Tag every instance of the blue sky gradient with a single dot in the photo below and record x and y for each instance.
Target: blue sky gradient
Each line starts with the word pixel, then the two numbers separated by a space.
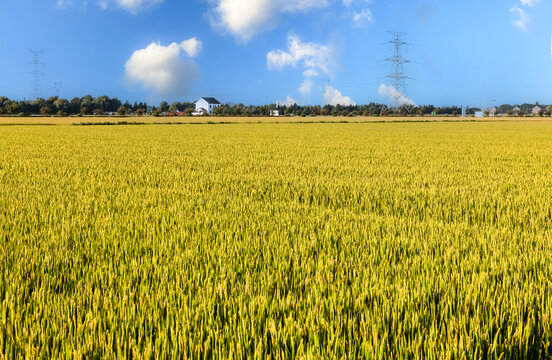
pixel 477 53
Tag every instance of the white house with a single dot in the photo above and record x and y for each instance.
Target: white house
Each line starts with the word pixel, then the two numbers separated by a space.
pixel 536 110
pixel 206 105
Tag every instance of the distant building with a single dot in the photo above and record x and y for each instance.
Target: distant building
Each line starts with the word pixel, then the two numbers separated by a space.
pixel 479 114
pixel 493 111
pixel 516 109
pixel 206 105
pixel 536 110
pixel 275 113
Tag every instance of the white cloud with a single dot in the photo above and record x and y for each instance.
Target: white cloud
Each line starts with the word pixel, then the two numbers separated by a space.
pixel 289 102
pixel 360 18
pixel 315 58
pixel 334 97
pixel 529 2
pixel 523 20
pixel 393 94
pixel 192 47
pixel 246 18
pixel 308 82
pixel 135 6
pixel 163 69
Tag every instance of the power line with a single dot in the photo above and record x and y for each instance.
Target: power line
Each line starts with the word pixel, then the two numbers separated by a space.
pixel 36 88
pixel 397 75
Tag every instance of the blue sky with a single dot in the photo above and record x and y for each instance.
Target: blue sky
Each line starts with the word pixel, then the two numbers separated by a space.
pixel 472 52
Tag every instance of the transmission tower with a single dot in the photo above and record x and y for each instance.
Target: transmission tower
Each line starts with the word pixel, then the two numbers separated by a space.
pixel 397 74
pixel 57 88
pixel 36 89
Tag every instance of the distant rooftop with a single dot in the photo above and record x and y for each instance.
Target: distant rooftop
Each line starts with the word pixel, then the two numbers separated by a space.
pixel 211 101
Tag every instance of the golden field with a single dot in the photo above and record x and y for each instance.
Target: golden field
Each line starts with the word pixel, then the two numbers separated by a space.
pixel 75 120
pixel 325 240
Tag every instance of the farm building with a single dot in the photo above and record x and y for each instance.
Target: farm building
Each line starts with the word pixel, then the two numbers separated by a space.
pixel 536 110
pixel 206 105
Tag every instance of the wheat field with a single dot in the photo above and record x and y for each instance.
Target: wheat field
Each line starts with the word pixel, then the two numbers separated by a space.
pixel 333 240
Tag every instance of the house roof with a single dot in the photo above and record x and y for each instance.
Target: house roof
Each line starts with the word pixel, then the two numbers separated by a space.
pixel 211 101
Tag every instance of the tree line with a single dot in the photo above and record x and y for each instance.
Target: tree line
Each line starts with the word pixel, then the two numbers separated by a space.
pixel 88 105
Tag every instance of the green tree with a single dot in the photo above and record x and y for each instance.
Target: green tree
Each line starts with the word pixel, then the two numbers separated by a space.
pixel 61 104
pixel 164 106
pixel 45 110
pixel 122 111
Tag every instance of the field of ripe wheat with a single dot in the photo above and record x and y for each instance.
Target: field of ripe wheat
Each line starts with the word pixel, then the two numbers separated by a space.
pixel 373 241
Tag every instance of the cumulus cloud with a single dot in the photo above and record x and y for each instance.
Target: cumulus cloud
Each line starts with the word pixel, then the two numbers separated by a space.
pixel 289 102
pixel 246 18
pixel 362 17
pixel 314 58
pixel 334 97
pixel 192 47
pixel 310 55
pixel 393 94
pixel 523 20
pixel 308 82
pixel 163 69
pixel 529 2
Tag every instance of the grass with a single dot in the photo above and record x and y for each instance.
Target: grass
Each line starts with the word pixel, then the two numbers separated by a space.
pixel 375 241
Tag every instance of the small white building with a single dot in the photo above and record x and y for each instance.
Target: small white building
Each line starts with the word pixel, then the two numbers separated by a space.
pixel 275 113
pixel 206 105
pixel 479 114
pixel 536 110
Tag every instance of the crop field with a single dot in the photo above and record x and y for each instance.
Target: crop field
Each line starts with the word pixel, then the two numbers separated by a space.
pixel 323 240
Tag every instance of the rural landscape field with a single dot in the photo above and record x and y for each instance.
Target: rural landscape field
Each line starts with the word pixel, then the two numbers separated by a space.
pixel 425 240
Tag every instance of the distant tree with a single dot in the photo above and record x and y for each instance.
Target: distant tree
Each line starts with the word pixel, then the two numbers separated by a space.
pixel 175 107
pixel 13 107
pixel 164 106
pixel 61 104
pixel 548 110
pixel 454 113
pixel 1 110
pixel 510 112
pixel 486 113
pixel 139 112
pixel 61 113
pixel 45 110
pixel 122 110
pixel 83 110
pixel 520 113
pixel 98 111
pixel 421 112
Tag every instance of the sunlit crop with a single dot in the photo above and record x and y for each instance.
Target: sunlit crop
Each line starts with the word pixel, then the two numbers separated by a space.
pixel 375 241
